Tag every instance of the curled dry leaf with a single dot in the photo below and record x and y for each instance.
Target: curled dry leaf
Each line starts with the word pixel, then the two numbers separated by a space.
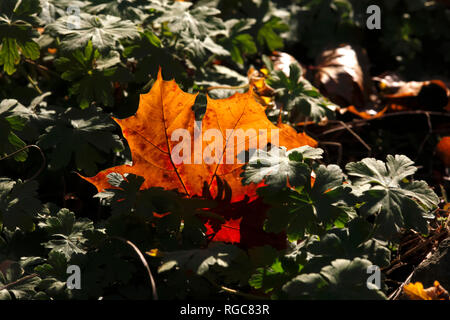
pixel 415 291
pixel 412 95
pixel 367 114
pixel 342 76
pixel 263 93
pixel 282 61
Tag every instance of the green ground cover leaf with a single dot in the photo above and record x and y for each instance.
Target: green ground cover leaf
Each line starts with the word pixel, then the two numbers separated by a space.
pixel 395 201
pixel 342 279
pixel 92 74
pixel 197 22
pixel 67 232
pixel 298 96
pixel 133 10
pixel 311 209
pixel 11 123
pixel 268 34
pixel 278 166
pixel 345 243
pixel 18 204
pixel 82 135
pixel 14 283
pixel 200 261
pixel 17 19
pixel 238 42
pixel 104 31
pixel 54 276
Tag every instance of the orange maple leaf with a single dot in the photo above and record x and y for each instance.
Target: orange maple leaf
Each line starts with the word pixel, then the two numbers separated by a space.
pixel 167 108
pixel 164 130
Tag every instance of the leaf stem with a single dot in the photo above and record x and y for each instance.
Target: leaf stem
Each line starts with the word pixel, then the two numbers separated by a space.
pixel 41 67
pixel 348 128
pixel 6 286
pixel 397 292
pixel 235 292
pixel 34 84
pixel 244 86
pixel 144 262
pixel 22 149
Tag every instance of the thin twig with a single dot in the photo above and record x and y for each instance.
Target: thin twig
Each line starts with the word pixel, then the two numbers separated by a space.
pixel 244 86
pixel 412 112
pixel 417 247
pixel 338 145
pixel 339 128
pixel 362 122
pixel 34 84
pixel 242 294
pixel 44 68
pixel 22 149
pixel 144 262
pixel 397 292
pixel 6 286
pixel 280 115
pixel 236 292
pixel 345 126
pixel 430 131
